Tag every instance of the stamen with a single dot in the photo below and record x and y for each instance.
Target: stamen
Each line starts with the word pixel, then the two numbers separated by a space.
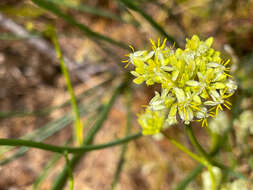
pixel 164 43
pixel 228 102
pixel 224 92
pixel 132 48
pixel 228 75
pixel 194 107
pixel 227 62
pixel 174 44
pixel 127 65
pixel 217 110
pixel 204 123
pixel 227 106
pixel 185 114
pixel 153 43
pixel 227 96
pixel 211 109
pixel 219 107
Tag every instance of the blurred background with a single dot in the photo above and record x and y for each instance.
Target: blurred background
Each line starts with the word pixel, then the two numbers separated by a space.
pixel 94 36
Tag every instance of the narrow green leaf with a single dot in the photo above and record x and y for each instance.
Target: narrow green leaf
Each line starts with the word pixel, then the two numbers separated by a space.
pixel 71 178
pixel 51 163
pixel 61 149
pixel 12 37
pixel 44 132
pixel 61 179
pixel 87 9
pixel 131 5
pixel 78 125
pixel 194 173
pixel 85 29
pixel 124 146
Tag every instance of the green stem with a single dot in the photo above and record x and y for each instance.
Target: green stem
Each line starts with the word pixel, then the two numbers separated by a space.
pixel 193 174
pixel 78 134
pixel 195 143
pixel 71 178
pixel 194 156
pixel 217 147
pixel 202 152
pixel 186 150
pixel 61 149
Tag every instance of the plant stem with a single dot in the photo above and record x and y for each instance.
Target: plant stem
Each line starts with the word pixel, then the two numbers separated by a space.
pixel 194 156
pixel 78 132
pixel 61 149
pixel 216 148
pixel 202 152
pixel 195 143
pixel 186 150
pixel 71 178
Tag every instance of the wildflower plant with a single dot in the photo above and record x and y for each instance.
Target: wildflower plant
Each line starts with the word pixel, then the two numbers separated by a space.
pixel 195 83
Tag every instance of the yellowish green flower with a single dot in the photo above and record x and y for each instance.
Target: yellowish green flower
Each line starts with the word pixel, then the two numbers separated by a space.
pixel 195 83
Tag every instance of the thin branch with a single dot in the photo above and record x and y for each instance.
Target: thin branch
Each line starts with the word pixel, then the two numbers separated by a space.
pixel 61 149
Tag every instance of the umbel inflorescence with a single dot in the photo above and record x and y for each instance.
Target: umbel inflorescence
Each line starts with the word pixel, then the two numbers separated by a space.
pixel 195 83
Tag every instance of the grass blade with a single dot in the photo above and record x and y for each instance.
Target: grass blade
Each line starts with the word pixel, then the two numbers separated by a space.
pixel 87 9
pixel 70 174
pixel 61 179
pixel 130 4
pixel 56 125
pixel 12 37
pixel 45 132
pixel 194 173
pixel 85 29
pixel 78 129
pixel 51 163
pixel 124 146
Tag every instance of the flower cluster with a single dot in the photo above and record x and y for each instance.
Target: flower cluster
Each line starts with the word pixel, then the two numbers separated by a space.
pixel 195 83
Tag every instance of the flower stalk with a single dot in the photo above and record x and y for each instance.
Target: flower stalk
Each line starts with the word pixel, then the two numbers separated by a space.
pixel 202 152
pixel 202 160
pixel 186 150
